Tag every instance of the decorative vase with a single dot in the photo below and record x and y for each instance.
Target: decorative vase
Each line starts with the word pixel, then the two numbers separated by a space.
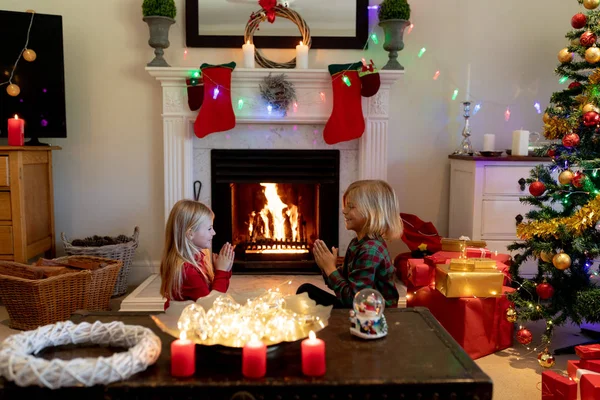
pixel 393 30
pixel 159 38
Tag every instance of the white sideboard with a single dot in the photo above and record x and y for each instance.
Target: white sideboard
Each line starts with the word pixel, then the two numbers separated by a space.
pixel 484 199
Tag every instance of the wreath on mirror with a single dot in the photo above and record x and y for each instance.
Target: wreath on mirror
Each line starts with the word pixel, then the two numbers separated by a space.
pixel 270 10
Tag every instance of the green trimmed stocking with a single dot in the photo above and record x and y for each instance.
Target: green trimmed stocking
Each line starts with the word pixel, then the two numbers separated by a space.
pixel 216 113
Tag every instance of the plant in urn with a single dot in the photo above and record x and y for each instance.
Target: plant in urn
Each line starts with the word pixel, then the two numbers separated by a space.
pixel 394 18
pixel 159 15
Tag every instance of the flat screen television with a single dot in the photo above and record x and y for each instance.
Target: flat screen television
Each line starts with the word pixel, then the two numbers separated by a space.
pixel 41 102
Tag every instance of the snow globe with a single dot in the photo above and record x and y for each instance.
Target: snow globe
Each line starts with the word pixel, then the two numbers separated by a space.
pixel 366 318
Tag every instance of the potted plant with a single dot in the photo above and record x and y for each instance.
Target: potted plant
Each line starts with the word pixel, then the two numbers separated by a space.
pixel 159 15
pixel 394 17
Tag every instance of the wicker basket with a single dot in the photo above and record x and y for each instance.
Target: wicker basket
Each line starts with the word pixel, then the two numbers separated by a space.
pixel 102 284
pixel 34 302
pixel 123 252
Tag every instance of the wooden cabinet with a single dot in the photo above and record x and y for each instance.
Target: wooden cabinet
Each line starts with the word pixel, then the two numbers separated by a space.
pixel 26 202
pixel 484 200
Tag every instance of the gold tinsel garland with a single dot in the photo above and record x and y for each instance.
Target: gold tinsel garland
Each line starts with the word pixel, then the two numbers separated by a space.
pixel 583 219
pixel 556 128
pixel 594 78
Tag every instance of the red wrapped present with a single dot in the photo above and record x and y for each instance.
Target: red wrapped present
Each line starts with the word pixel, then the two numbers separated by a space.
pixel 478 252
pixel 589 387
pixel 503 258
pixel 419 273
pixel 592 365
pixel 588 352
pixel 401 265
pixel 478 325
pixel 557 387
pixel 572 367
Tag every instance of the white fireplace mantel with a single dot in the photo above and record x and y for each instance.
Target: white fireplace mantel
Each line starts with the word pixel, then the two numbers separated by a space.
pixel 313 86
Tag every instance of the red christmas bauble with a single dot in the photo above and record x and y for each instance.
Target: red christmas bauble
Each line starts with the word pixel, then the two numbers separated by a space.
pixel 571 140
pixel 537 188
pixel 524 336
pixel 578 180
pixel 587 39
pixel 544 290
pixel 551 152
pixel 578 21
pixel 591 118
pixel 574 85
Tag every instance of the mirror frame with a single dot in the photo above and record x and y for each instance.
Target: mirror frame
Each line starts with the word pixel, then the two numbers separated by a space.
pixel 193 39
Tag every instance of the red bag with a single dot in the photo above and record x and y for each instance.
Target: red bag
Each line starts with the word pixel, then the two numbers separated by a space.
pixel 417 233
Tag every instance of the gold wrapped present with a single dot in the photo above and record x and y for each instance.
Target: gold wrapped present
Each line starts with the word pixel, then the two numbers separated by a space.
pixel 455 244
pixel 480 283
pixel 472 264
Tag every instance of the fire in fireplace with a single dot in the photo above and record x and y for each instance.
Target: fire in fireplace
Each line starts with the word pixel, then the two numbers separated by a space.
pixel 273 205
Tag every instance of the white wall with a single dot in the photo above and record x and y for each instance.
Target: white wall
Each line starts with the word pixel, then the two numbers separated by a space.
pixel 108 177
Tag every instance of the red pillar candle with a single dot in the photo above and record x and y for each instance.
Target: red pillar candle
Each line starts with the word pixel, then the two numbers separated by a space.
pixel 313 356
pixel 16 130
pixel 254 359
pixel 183 357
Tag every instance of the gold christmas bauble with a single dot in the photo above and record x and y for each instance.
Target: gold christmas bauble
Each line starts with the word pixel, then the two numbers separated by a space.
pixel 566 177
pixel 546 118
pixel 561 261
pixel 29 55
pixel 545 359
pixel 592 55
pixel 546 256
pixel 565 56
pixel 511 314
pixel 575 42
pixel 591 4
pixel 590 107
pixel 13 90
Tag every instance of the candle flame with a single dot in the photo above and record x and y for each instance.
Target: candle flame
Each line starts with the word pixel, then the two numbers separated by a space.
pixel 312 335
pixel 16 116
pixel 182 335
pixel 301 43
pixel 247 42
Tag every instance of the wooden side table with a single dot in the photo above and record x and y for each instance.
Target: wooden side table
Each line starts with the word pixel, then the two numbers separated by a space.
pixel 26 202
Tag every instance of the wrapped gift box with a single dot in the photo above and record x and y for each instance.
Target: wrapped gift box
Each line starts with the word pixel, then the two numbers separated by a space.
pixel 401 265
pixel 454 244
pixel 472 264
pixel 572 367
pixel 419 273
pixel 592 365
pixel 468 284
pixel 478 252
pixel 478 325
pixel 444 257
pixel 557 387
pixel 588 352
pixel 589 387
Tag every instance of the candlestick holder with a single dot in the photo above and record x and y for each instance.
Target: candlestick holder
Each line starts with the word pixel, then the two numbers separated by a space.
pixel 465 148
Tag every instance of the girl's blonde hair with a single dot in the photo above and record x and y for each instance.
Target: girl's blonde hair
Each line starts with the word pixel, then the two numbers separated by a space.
pixel 185 217
pixel 377 202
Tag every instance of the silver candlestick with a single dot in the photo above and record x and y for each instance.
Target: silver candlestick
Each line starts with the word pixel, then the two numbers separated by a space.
pixel 465 147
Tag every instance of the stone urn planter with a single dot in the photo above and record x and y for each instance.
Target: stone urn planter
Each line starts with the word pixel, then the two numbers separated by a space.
pixel 159 38
pixel 393 30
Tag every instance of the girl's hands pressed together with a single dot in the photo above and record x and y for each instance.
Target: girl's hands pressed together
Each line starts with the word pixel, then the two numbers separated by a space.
pixel 224 261
pixel 324 258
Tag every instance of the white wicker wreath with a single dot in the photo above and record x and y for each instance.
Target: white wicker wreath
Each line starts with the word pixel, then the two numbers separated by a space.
pixel 17 363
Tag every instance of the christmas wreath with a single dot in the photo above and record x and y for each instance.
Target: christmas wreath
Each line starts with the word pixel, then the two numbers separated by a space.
pixel 278 92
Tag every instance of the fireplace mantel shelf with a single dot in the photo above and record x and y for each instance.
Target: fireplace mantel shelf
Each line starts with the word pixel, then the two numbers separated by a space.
pixel 315 102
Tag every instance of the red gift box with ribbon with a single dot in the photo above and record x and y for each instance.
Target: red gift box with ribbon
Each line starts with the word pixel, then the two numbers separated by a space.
pixel 588 352
pixel 592 365
pixel 589 387
pixel 419 273
pixel 572 367
pixel 478 325
pixel 478 252
pixel 557 387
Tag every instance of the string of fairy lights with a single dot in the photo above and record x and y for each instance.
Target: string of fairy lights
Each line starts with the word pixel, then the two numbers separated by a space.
pixel 28 54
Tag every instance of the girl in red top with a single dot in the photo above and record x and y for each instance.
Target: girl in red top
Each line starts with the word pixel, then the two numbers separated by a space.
pixel 184 270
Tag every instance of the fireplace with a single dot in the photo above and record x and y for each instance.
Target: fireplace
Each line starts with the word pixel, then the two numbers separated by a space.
pixel 273 205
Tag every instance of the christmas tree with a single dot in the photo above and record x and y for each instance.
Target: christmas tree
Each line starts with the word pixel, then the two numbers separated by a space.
pixel 562 231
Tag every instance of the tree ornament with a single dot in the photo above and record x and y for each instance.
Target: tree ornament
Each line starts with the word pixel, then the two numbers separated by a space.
pixel 29 55
pixel 565 177
pixel 592 55
pixel 551 152
pixel 590 107
pixel 545 359
pixel 587 39
pixel 578 20
pixel 546 118
pixel 578 180
pixel 524 336
pixel 561 261
pixel 591 118
pixel 597 227
pixel 546 256
pixel 544 290
pixel 574 85
pixel 511 314
pixel 591 4
pixel 537 188
pixel 572 139
pixel 13 90
pixel 565 56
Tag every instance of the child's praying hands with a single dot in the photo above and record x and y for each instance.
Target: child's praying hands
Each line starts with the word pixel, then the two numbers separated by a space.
pixel 325 259
pixel 224 260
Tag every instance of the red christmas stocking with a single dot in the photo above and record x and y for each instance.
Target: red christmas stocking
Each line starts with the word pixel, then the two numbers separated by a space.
pixel 369 78
pixel 216 113
pixel 346 121
pixel 195 93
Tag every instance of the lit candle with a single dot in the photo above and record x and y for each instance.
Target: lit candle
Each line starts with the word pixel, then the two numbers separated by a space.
pixel 313 356
pixel 254 358
pixel 183 357
pixel 468 91
pixel 302 56
pixel 248 49
pixel 16 130
pixel 489 142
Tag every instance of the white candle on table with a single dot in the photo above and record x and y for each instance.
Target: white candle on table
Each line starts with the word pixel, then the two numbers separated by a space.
pixel 302 56
pixel 468 91
pixel 489 142
pixel 520 142
pixel 248 49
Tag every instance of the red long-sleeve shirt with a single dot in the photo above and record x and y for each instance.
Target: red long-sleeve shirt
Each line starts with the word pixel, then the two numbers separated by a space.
pixel 194 284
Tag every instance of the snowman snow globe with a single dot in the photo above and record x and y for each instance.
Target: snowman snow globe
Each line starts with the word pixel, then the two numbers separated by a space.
pixel 366 318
